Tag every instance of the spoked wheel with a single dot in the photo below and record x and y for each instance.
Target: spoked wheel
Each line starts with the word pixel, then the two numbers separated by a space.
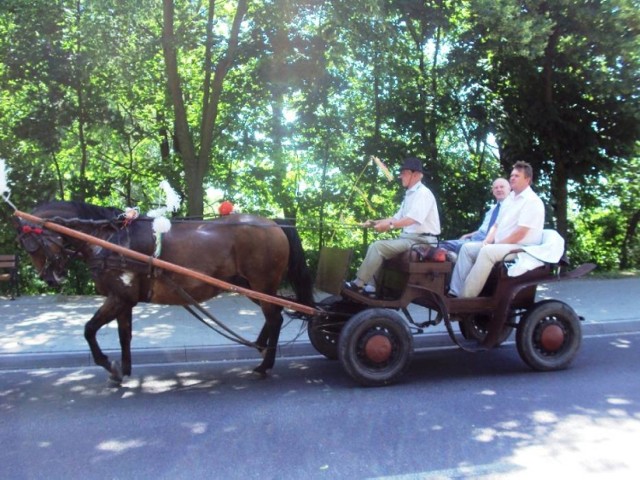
pixel 549 336
pixel 474 327
pixel 375 347
pixel 324 335
pixel 324 331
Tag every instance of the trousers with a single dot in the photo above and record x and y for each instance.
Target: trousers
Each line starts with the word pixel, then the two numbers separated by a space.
pixel 380 250
pixel 474 265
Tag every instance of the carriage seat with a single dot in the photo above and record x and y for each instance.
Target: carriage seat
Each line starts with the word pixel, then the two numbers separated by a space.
pixel 425 266
pixel 421 258
pixel 527 262
pixel 529 257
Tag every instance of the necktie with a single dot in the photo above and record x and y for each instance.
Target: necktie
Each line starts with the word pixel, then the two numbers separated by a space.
pixel 494 216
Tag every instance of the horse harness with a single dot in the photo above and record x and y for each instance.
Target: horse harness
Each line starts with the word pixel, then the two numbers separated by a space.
pixel 59 253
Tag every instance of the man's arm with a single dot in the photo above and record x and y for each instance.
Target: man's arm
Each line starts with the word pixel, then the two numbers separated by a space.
pixel 387 223
pixel 468 235
pixel 514 238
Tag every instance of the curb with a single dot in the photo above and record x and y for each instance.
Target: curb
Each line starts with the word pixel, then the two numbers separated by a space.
pixel 221 353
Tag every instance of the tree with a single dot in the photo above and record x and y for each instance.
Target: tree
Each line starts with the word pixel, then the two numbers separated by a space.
pixel 566 75
pixel 195 150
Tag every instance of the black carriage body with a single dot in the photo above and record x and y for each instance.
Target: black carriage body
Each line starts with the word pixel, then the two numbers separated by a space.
pixel 506 303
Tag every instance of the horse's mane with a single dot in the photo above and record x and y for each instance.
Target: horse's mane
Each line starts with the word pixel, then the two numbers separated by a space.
pixel 79 210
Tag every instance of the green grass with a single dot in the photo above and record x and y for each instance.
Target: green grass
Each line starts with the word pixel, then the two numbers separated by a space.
pixel 613 274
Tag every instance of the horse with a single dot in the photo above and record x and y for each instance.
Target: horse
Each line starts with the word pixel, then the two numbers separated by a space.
pixel 246 250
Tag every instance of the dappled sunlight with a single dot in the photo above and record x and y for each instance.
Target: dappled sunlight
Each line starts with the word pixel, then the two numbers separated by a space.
pixel 583 444
pixel 297 365
pixel 621 343
pixel 21 342
pixel 501 430
pixel 73 378
pixel 120 446
pixel 38 330
pixel 489 393
pixel 155 332
pixel 198 428
pixel 580 442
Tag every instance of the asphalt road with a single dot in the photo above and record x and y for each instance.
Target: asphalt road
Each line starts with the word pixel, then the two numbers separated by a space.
pixel 454 415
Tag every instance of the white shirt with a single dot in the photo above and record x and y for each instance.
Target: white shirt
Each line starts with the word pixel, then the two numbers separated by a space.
pixel 483 230
pixel 419 204
pixel 522 210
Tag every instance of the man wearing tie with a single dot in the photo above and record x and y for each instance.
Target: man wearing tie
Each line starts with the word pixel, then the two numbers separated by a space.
pixel 520 222
pixel 500 190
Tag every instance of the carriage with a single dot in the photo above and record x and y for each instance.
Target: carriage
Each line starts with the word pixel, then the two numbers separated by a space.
pixel 371 336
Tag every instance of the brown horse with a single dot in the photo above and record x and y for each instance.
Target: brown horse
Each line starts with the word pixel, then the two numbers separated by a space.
pixel 246 250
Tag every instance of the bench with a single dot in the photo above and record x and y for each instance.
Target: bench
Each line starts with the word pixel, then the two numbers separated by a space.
pixel 9 273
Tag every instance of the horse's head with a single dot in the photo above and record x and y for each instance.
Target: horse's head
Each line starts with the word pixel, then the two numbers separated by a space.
pixel 48 252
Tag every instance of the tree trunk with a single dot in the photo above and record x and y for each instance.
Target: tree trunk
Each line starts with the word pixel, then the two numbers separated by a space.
pixel 196 163
pixel 561 194
pixel 187 150
pixel 560 175
pixel 627 243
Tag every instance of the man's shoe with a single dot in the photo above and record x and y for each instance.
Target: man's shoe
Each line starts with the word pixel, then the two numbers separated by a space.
pixel 369 289
pixel 353 286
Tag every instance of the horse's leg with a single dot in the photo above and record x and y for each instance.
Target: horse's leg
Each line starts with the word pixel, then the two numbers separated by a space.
pixel 271 329
pixel 261 341
pixel 125 334
pixel 109 310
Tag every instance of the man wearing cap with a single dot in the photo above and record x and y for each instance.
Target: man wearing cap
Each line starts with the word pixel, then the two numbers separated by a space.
pixel 417 218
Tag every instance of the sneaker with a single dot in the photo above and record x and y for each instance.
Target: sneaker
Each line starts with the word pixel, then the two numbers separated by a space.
pixel 369 289
pixel 353 285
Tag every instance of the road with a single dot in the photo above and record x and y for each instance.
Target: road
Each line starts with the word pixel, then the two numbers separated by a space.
pixel 454 415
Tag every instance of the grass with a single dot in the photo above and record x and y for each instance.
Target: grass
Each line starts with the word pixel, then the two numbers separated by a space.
pixel 615 274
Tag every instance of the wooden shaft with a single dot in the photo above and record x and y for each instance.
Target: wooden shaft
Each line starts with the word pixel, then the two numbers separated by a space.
pixel 156 262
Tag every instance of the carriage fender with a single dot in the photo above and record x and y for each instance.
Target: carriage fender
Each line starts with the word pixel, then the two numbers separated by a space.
pixel 499 316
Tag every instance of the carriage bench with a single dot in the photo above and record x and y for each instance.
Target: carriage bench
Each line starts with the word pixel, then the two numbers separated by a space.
pixel 9 273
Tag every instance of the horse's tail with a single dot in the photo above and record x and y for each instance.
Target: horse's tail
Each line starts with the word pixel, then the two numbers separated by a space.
pixel 298 273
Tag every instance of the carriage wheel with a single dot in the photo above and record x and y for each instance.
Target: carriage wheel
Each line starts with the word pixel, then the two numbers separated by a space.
pixel 474 327
pixel 375 347
pixel 324 336
pixel 549 336
pixel 324 332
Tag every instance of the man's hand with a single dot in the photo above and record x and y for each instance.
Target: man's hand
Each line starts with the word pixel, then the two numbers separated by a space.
pixel 382 226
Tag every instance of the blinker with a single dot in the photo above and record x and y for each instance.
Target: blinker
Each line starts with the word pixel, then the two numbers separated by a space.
pixel 30 229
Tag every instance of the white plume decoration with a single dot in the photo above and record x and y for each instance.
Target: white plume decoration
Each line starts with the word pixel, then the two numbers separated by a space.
pixel 162 224
pixel 173 199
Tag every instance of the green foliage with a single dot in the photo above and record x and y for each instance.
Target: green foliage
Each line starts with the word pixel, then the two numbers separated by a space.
pixel 309 93
pixel 597 238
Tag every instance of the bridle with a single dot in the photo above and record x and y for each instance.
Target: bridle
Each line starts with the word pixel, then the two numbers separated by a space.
pixel 57 252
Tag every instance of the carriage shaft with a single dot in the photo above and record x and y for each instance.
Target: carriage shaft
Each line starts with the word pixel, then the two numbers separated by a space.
pixel 172 267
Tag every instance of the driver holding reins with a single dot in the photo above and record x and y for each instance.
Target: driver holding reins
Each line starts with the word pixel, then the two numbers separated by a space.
pixel 417 218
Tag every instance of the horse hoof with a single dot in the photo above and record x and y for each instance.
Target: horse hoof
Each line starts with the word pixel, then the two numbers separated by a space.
pixel 116 372
pixel 260 372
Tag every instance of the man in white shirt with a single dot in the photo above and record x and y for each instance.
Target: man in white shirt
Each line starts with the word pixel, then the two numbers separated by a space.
pixel 520 222
pixel 417 217
pixel 500 189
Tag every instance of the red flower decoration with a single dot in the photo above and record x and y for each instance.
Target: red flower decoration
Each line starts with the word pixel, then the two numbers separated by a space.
pixel 225 208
